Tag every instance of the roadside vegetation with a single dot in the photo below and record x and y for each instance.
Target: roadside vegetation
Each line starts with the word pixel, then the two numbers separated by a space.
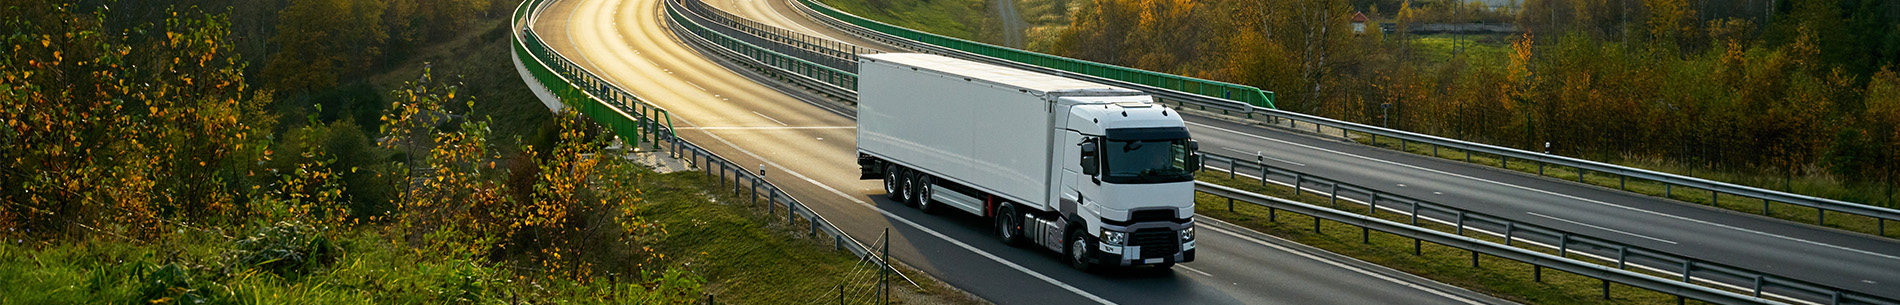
pixel 168 153
pixel 966 19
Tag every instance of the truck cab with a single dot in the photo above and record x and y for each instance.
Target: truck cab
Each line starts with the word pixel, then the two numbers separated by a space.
pixel 1127 181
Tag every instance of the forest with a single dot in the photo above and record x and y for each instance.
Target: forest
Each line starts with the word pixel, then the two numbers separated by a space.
pixel 1800 95
pixel 230 152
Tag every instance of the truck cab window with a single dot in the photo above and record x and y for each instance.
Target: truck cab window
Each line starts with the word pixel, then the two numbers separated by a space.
pixel 1146 161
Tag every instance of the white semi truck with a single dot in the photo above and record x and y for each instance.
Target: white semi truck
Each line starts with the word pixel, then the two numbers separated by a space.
pixel 1101 174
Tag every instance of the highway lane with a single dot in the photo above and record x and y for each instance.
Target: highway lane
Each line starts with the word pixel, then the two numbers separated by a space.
pixel 808 151
pixel 1837 258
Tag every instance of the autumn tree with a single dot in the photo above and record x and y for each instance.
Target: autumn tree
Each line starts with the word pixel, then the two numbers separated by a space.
pixel 321 41
pixel 118 133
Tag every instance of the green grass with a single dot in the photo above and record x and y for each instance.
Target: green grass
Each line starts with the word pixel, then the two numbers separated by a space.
pixel 1790 212
pixel 1477 48
pixel 749 257
pixel 1047 20
pixel 1503 278
pixel 966 19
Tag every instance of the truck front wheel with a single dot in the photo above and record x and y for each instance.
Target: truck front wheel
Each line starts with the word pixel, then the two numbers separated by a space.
pixel 1078 251
pixel 894 182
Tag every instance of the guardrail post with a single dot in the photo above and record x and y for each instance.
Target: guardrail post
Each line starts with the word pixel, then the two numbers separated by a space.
pixel 1764 207
pixel 1434 150
pixel 1315 223
pixel 1606 288
pixel 1668 191
pixel 1715 197
pixel 1540 168
pixel 1758 283
pixel 1563 245
pixel 1414 212
pixel 1580 173
pixel 1504 162
pixel 1820 216
pixel 1508 227
pixel 1273 214
pixel 1474 258
pixel 1687 266
pixel 1296 183
pixel 1231 163
pixel 1332 193
pixel 1622 182
pixel 1461 223
pixel 790 212
pixel 1537 273
pixel 1622 256
pixel 1372 206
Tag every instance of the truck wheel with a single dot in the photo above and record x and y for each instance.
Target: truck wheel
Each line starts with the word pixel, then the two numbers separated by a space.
pixel 922 184
pixel 1078 251
pixel 894 183
pixel 1009 225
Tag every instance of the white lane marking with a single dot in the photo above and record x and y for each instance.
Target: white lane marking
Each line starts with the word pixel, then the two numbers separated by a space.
pixel 1338 264
pixel 1196 270
pixel 1598 227
pixel 762 115
pixel 1559 194
pixel 690 83
pixel 1256 153
pixel 992 257
pixel 768 128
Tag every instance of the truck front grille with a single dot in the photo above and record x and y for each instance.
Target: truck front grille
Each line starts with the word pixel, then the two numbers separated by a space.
pixel 1155 242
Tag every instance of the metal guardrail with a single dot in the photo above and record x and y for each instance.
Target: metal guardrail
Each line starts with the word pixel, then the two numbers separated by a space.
pixel 830 81
pixel 630 117
pixel 1479 246
pixel 1178 86
pixel 932 43
pixel 831 53
pixel 1620 255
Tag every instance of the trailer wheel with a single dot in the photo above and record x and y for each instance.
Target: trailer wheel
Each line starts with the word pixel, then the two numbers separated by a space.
pixel 894 182
pixel 1009 226
pixel 922 195
pixel 1078 251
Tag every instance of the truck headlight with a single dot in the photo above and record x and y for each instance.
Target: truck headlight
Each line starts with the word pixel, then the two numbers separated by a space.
pixel 1113 238
pixel 1187 234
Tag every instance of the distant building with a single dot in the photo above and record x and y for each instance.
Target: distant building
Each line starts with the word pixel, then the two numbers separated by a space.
pixel 1358 23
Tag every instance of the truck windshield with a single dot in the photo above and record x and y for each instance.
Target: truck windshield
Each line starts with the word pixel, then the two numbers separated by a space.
pixel 1146 161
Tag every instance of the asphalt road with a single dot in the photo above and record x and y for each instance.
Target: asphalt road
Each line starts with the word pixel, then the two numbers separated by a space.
pixel 808 150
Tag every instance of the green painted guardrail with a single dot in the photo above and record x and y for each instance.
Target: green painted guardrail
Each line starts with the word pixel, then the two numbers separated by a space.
pixel 620 112
pixel 1209 88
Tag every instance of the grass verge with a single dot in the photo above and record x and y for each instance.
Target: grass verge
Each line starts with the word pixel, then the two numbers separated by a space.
pixel 965 19
pixel 1499 277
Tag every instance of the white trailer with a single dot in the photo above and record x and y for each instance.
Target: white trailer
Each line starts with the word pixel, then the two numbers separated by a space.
pixel 1101 174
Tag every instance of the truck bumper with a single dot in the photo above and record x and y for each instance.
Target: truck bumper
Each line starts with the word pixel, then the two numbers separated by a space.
pixel 1117 259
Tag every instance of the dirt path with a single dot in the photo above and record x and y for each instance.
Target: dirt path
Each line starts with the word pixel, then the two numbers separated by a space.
pixel 1013 23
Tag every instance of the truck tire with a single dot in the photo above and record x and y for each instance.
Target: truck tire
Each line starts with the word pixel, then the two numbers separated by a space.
pixel 1009 225
pixel 1078 250
pixel 894 182
pixel 922 184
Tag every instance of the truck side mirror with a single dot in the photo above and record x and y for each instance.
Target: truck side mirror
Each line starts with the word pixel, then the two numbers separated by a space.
pixel 1194 156
pixel 1089 165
